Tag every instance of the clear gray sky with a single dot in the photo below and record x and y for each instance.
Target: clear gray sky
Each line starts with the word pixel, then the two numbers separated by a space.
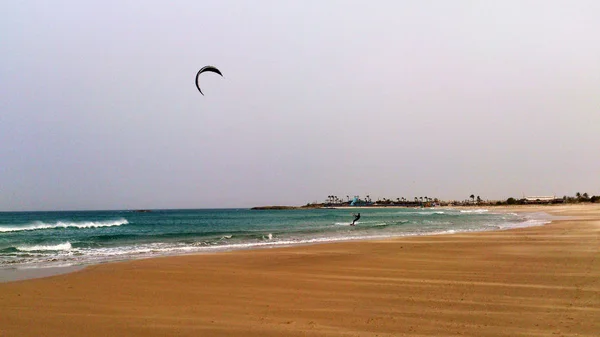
pixel 387 98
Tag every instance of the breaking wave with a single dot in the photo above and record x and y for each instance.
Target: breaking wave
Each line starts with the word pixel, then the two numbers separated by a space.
pixel 476 211
pixel 38 225
pixel 37 248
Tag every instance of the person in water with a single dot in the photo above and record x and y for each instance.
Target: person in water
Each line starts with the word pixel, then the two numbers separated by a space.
pixel 356 217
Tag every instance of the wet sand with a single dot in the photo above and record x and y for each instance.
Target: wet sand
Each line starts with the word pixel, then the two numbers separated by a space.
pixel 538 281
pixel 14 274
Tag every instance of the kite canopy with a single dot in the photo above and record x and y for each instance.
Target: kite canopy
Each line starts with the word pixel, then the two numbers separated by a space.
pixel 205 69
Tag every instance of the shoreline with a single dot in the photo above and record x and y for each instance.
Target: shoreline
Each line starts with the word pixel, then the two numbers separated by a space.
pixel 542 280
pixel 10 274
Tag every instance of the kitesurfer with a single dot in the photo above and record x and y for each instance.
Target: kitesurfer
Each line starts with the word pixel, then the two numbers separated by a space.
pixel 356 217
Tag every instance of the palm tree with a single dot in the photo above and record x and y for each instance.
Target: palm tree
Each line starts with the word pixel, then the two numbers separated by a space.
pixel 478 199
pixel 472 197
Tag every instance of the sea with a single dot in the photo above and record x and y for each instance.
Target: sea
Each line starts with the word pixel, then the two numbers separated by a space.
pixel 30 240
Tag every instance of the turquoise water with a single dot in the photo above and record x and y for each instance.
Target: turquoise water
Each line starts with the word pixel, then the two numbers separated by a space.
pixel 56 239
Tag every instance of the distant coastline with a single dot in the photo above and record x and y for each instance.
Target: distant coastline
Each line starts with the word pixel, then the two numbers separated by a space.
pixel 334 202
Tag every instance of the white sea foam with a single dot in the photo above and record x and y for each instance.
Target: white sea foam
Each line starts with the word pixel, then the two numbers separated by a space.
pixel 449 231
pixel 476 211
pixel 48 266
pixel 38 225
pixel 61 246
pixel 422 212
pixel 527 223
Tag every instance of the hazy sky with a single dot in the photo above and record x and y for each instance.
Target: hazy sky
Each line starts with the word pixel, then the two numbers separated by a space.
pixel 98 107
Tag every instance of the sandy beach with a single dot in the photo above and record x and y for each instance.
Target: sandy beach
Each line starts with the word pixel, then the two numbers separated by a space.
pixel 537 281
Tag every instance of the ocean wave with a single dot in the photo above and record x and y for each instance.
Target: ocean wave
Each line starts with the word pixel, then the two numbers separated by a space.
pixel 476 211
pixel 61 246
pixel 38 225
pixel 449 231
pixel 423 213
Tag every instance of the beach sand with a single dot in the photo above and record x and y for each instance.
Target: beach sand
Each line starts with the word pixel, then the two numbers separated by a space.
pixel 539 281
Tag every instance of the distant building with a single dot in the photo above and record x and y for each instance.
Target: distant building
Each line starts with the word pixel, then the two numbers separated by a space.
pixel 546 199
pixel 357 202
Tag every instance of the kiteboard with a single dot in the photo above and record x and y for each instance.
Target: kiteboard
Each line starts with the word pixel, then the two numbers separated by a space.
pixel 345 224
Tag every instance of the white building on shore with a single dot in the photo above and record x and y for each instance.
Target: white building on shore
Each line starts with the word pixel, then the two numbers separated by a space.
pixel 541 199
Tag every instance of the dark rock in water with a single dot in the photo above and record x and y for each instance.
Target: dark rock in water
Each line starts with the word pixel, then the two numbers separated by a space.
pixel 263 208
pixel 142 211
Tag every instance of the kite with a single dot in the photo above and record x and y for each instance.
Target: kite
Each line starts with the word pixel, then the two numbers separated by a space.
pixel 204 69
